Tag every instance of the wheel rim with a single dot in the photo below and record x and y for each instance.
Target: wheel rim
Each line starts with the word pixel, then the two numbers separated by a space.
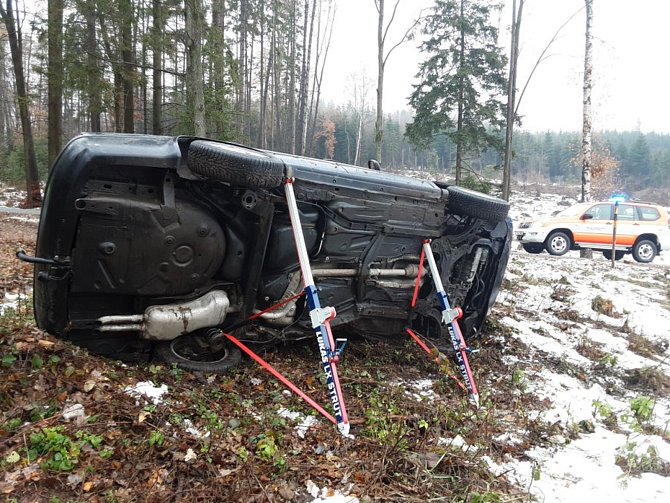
pixel 195 348
pixel 558 244
pixel 645 251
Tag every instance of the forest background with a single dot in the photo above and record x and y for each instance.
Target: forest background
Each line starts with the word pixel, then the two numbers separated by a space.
pixel 251 71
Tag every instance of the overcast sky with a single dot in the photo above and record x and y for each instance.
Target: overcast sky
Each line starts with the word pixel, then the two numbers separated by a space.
pixel 631 70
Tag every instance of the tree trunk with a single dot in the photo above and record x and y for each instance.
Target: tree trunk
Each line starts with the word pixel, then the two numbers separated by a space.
pixel 242 68
pixel 359 136
pixel 264 97
pixel 127 73
pixel 249 86
pixel 144 80
pixel 588 84
pixel 93 70
pixel 260 137
pixel 277 130
pixel 4 122
pixel 586 129
pixel 461 99
pixel 33 194
pixel 194 24
pixel 218 121
pixel 118 102
pixel 55 82
pixel 318 73
pixel 301 133
pixel 291 79
pixel 157 75
pixel 379 126
pixel 511 98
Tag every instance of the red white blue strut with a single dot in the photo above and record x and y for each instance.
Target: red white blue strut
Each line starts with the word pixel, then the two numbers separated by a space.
pixel 450 318
pixel 320 316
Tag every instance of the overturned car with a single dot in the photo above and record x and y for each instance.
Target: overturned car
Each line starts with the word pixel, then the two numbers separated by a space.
pixel 148 246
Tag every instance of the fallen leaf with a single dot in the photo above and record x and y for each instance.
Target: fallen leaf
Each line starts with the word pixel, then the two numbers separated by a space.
pixel 46 344
pixel 7 487
pixel 22 347
pixel 89 385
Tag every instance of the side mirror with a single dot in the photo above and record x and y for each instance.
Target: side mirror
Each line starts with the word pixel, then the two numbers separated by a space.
pixel 374 164
pixel 586 216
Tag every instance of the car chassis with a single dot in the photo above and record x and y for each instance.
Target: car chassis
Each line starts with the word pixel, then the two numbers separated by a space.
pixel 153 247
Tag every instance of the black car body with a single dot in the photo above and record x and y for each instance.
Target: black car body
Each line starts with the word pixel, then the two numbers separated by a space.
pixel 145 241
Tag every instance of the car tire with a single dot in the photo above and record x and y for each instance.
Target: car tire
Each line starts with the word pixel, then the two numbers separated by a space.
pixel 235 164
pixel 534 248
pixel 475 204
pixel 618 254
pixel 644 251
pixel 177 352
pixel 558 243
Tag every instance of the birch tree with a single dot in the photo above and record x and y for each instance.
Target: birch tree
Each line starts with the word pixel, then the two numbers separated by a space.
pixel 588 84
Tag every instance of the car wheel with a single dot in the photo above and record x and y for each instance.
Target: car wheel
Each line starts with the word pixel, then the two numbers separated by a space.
pixel 558 243
pixel 644 251
pixel 618 255
pixel 235 164
pixel 533 248
pixel 475 204
pixel 199 352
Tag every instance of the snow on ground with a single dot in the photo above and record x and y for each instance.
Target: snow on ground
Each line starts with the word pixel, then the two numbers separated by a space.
pixel 548 303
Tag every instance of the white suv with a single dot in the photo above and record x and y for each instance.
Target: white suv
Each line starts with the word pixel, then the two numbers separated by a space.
pixel 641 229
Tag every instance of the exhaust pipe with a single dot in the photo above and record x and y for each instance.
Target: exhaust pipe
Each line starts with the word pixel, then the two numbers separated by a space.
pixel 169 321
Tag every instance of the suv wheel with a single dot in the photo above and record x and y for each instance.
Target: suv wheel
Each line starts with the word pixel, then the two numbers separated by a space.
pixel 644 251
pixel 558 243
pixel 618 254
pixel 533 248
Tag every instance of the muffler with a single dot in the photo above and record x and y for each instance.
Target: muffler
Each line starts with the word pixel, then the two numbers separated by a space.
pixel 169 321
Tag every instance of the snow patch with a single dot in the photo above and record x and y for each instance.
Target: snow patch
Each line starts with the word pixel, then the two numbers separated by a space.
pixel 149 391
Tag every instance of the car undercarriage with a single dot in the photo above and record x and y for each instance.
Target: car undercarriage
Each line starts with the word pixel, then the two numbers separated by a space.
pixel 150 246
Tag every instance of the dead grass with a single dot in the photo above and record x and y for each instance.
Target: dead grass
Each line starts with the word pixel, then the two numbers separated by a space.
pixel 643 346
pixel 562 293
pixel 648 380
pixel 604 306
pixel 591 350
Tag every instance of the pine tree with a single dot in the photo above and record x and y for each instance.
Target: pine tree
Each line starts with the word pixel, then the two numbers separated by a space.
pixel 461 80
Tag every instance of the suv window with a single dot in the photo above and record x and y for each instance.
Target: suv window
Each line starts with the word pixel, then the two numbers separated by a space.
pixel 627 212
pixel 601 212
pixel 648 213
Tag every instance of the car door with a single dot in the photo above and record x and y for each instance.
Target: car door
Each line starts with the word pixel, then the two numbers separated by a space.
pixel 594 228
pixel 627 226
